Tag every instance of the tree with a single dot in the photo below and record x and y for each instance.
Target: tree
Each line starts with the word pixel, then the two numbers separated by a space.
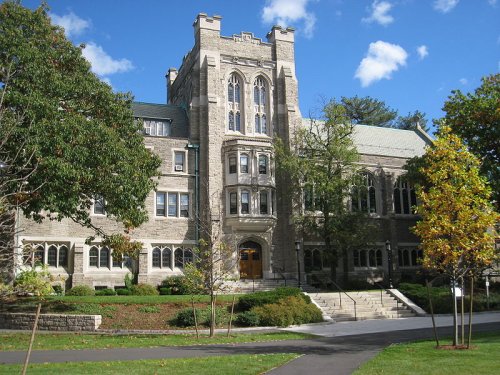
pixel 214 259
pixel 457 217
pixel 475 117
pixel 410 121
pixel 65 138
pixel 368 111
pixel 321 166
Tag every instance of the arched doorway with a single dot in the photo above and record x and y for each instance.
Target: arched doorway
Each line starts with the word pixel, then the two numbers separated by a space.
pixel 250 260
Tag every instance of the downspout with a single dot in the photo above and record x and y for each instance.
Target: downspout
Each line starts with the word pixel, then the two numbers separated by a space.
pixel 196 148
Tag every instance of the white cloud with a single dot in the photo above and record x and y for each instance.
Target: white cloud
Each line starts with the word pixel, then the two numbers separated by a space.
pixel 492 2
pixel 102 63
pixel 444 6
pixel 463 81
pixel 380 10
pixel 422 51
pixel 287 12
pixel 380 62
pixel 72 24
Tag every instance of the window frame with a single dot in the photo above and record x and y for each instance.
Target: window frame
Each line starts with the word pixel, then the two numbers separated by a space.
pixel 168 201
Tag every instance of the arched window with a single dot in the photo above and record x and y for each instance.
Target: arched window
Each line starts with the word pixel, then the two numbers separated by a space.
pixel 52 256
pixel 317 261
pixel 260 105
pixel 357 262
pixel 308 260
pixel 362 257
pixel 379 258
pixel 188 256
pixel 156 258
pixel 93 257
pixel 363 194
pixel 39 255
pixel 405 198
pixel 179 258
pixel 166 256
pixel 234 103
pixel 104 257
pixel 63 256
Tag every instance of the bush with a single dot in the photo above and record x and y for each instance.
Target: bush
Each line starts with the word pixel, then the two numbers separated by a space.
pixel 58 289
pixel 179 285
pixel 123 292
pixel 105 292
pixel 34 282
pixel 248 319
pixel 144 290
pixel 80 290
pixel 149 309
pixel 288 311
pixel 129 281
pixel 249 301
pixel 164 291
pixel 185 317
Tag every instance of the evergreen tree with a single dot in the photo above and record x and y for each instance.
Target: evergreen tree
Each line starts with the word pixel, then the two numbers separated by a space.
pixel 368 111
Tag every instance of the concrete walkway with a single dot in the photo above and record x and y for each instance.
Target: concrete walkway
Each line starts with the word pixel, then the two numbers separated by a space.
pixel 343 347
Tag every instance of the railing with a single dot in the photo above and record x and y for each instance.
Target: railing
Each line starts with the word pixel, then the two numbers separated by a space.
pixel 382 290
pixel 279 271
pixel 340 297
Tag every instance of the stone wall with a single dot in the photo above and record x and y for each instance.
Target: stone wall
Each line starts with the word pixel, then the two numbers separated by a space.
pixel 50 322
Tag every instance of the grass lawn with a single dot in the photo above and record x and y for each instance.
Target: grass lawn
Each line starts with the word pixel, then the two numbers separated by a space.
pixel 240 364
pixel 422 358
pixel 67 341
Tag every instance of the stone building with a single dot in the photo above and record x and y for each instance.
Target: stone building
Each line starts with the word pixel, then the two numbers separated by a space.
pixel 226 102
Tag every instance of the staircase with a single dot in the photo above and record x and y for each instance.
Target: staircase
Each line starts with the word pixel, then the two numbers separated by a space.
pixel 369 305
pixel 258 285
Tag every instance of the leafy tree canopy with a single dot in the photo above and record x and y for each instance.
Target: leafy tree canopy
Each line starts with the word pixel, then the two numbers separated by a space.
pixel 475 117
pixel 65 135
pixel 368 111
pixel 410 121
pixel 454 204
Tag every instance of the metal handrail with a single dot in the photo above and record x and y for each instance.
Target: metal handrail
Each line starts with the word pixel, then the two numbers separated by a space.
pixel 340 297
pixel 382 289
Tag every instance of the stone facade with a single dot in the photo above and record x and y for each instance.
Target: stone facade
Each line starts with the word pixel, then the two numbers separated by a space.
pixel 50 322
pixel 226 102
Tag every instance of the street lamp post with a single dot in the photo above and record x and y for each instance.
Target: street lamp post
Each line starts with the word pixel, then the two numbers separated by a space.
pixel 297 250
pixel 389 261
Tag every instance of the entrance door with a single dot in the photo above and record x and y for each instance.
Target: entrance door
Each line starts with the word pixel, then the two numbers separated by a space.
pixel 250 260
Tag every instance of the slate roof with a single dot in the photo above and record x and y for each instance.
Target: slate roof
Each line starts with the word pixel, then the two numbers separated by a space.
pixel 376 140
pixel 177 115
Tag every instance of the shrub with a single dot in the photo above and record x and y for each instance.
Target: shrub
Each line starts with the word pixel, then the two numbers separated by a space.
pixel 129 281
pixel 144 290
pixel 180 285
pixel 34 282
pixel 105 292
pixel 81 290
pixel 288 311
pixel 58 289
pixel 93 309
pixel 123 292
pixel 249 301
pixel 164 291
pixel 185 317
pixel 248 319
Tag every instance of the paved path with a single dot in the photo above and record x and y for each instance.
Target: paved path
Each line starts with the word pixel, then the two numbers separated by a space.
pixel 343 347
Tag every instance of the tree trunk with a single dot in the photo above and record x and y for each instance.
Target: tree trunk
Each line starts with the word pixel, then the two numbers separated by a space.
pixel 471 296
pixel 231 317
pixel 462 322
pixel 212 314
pixel 455 313
pixel 195 320
pixel 432 313
pixel 28 354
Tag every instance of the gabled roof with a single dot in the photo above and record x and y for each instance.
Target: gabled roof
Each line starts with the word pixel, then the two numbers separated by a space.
pixel 381 141
pixel 175 114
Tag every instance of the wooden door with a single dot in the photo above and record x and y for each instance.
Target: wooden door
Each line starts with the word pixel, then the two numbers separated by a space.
pixel 250 263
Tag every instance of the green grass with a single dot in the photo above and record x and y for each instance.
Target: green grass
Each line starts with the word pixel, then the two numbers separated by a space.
pixel 240 364
pixel 423 358
pixel 67 341
pixel 137 299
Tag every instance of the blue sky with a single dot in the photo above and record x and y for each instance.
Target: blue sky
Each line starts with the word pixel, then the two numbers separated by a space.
pixel 408 53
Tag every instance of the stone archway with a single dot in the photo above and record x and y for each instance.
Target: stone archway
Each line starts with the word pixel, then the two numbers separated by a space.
pixel 250 260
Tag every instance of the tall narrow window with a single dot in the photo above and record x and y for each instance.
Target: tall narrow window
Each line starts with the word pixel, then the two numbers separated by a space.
pixel 99 205
pixel 179 258
pixel 160 204
pixel 405 198
pixel 232 164
pixel 363 194
pixel 172 204
pixel 166 256
pixel 63 256
pixel 263 164
pixel 264 207
pixel 244 163
pixel 156 258
pixel 52 256
pixel 245 202
pixel 104 257
pixel 234 103
pixel 179 161
pixel 260 105
pixel 93 257
pixel 184 205
pixel 233 207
